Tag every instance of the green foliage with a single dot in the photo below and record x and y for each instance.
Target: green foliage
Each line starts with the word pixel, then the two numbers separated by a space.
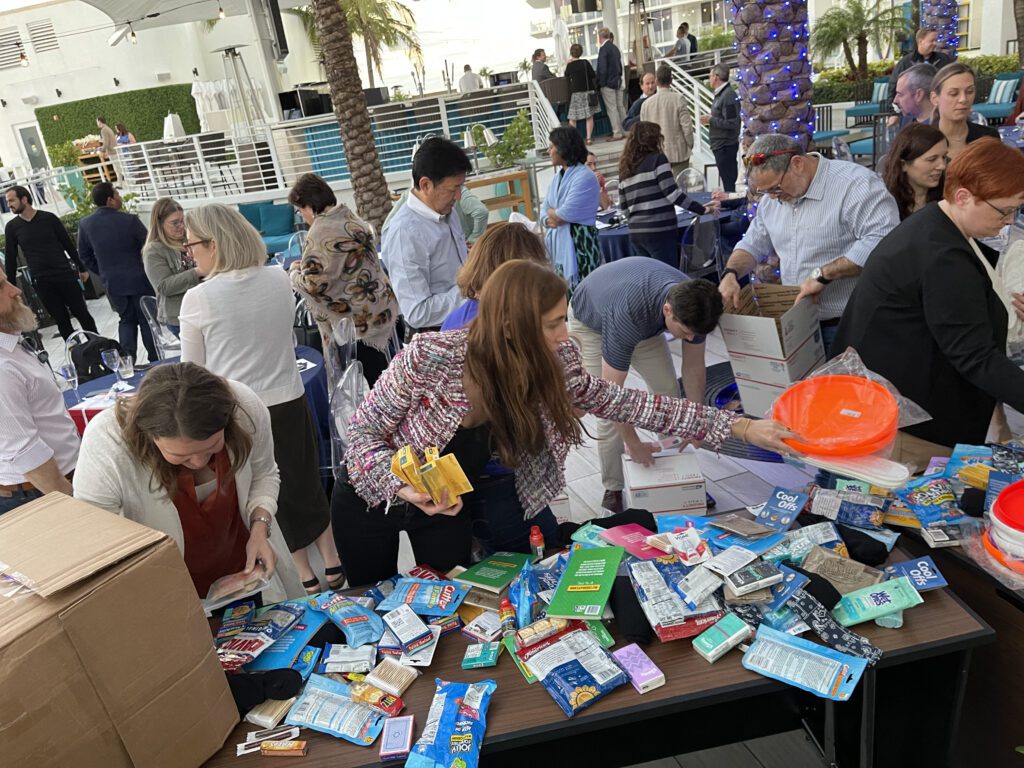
pixel 851 26
pixel 513 144
pixel 399 95
pixel 142 111
pixel 485 71
pixel 64 155
pixel 991 65
pixel 713 39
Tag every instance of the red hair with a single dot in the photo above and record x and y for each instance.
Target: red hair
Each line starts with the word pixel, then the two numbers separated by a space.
pixel 988 169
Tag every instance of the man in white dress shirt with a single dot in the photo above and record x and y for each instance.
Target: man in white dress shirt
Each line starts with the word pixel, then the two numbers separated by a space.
pixel 470 81
pixel 38 440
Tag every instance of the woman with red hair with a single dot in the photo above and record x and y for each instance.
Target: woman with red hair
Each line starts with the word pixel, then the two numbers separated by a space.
pixel 929 312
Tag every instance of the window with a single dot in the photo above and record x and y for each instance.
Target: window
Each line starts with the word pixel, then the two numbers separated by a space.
pixel 11 48
pixel 42 36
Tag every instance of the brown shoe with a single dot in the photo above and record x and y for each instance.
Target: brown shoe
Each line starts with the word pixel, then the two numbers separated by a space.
pixel 612 501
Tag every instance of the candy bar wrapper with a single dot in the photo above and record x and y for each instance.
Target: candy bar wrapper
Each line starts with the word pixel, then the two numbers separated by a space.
pixel 426 597
pixel 408 628
pixel 877 600
pixel 479 655
pixel 811 667
pixel 326 705
pixel 283 748
pixel 643 673
pixel 258 635
pixel 726 634
pixel 376 699
pixel 445 474
pixel 396 741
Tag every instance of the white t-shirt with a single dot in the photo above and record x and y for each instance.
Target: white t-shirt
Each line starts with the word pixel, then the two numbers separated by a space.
pixel 239 325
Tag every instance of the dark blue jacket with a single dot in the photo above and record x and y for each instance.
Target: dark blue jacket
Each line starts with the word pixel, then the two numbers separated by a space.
pixel 633 116
pixel 609 66
pixel 110 244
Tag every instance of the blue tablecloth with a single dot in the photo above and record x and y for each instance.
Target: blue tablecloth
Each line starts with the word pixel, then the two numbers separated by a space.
pixel 614 241
pixel 314 380
pixel 1010 135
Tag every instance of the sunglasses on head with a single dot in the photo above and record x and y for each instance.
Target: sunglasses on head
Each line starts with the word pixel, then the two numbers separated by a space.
pixel 763 157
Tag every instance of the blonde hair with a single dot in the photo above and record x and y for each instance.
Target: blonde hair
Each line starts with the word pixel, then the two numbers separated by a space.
pixel 239 245
pixel 162 209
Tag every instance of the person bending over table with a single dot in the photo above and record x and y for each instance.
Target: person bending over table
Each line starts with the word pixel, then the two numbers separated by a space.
pixel 930 314
pixel 618 317
pixel 915 167
pixel 509 385
pixel 570 208
pixel 952 95
pixel 238 324
pixel 648 195
pixel 822 217
pixel 167 266
pixel 340 275
pixel 192 455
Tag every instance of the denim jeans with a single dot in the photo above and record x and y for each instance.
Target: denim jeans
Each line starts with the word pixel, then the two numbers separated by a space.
pixel 16 499
pixel 497 515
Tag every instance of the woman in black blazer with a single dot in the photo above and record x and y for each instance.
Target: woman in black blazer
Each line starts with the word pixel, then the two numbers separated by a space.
pixel 952 94
pixel 927 315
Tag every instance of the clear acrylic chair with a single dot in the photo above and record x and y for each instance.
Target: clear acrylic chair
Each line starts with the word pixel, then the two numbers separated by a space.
pixel 841 150
pixel 341 350
pixel 691 181
pixel 76 338
pixel 346 397
pixel 167 344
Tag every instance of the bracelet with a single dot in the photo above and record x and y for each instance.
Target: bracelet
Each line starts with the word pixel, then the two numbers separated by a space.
pixel 265 519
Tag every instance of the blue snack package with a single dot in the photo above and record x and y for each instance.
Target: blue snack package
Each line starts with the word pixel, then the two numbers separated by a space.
pixel 866 516
pixel 360 625
pixel 997 482
pixel 382 589
pixel 326 705
pixel 574 668
pixel 962 457
pixel 781 592
pixel 426 597
pixel 811 667
pixel 522 592
pixel 454 731
pixel 887 536
pixel 307 661
pixel 932 501
pixel 549 572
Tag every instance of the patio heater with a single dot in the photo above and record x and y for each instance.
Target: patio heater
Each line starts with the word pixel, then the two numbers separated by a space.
pixel 469 141
pixel 243 103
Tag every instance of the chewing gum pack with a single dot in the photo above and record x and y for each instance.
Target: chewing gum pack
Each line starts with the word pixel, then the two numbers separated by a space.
pixel 811 667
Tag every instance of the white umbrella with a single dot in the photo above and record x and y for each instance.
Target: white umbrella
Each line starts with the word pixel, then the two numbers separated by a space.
pixel 561 36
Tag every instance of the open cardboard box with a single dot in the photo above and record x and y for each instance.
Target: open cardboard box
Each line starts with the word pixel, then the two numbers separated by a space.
pixel 110 661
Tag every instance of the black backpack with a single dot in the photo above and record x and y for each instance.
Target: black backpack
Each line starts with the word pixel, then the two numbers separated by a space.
pixel 87 358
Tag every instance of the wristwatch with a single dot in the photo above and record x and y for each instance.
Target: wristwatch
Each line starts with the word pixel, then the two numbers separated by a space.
pixel 730 271
pixel 262 519
pixel 817 275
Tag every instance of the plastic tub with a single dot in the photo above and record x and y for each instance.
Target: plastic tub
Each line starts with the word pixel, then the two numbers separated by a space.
pixel 999 556
pixel 838 415
pixel 1009 506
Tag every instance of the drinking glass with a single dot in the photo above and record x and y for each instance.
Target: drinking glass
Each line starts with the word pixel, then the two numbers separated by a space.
pixel 69 373
pixel 111 358
pixel 126 368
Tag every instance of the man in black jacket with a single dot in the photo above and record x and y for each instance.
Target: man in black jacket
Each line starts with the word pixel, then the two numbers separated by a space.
pixel 724 126
pixel 927 40
pixel 46 248
pixel 609 80
pixel 111 244
pixel 648 85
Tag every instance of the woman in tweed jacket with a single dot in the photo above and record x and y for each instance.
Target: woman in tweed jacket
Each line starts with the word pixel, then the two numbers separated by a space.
pixel 514 374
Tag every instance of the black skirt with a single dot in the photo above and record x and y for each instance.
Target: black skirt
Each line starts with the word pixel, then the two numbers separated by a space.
pixel 302 508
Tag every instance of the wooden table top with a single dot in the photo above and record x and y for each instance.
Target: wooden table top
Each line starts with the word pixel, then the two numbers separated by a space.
pixel 521 714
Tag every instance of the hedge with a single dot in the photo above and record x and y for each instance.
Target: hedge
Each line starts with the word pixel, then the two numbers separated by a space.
pixel 141 111
pixel 837 85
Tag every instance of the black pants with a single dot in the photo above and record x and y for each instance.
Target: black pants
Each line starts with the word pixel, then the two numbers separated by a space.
pixel 62 299
pixel 130 322
pixel 728 170
pixel 374 362
pixel 367 538
pixel 663 246
pixel 498 522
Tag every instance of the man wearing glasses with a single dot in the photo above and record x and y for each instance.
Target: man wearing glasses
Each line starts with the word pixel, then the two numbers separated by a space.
pixel 822 217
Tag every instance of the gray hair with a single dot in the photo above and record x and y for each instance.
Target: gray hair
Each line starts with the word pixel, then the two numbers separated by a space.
pixel 721 72
pixel 239 245
pixel 779 150
pixel 919 77
pixel 604 33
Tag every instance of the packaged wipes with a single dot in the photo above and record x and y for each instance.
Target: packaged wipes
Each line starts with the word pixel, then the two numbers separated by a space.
pixel 360 625
pixel 454 731
pixel 877 600
pixel 326 705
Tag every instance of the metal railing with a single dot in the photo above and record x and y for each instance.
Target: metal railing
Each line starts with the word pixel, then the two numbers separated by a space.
pixel 544 118
pixel 699 99
pixel 699 64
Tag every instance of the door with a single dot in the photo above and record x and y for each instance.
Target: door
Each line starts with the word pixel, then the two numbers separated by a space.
pixel 32 143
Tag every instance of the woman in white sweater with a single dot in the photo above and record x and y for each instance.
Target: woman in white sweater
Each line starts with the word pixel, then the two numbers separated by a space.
pixel 238 324
pixel 192 455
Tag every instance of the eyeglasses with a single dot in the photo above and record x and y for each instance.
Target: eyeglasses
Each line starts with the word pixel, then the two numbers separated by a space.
pixel 1004 213
pixel 776 190
pixel 193 244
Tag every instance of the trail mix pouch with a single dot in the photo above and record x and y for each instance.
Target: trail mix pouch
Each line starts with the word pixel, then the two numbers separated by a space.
pixel 326 705
pixel 426 597
pixel 574 668
pixel 454 731
pixel 360 625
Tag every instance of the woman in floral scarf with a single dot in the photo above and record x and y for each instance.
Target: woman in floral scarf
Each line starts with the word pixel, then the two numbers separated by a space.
pixel 340 274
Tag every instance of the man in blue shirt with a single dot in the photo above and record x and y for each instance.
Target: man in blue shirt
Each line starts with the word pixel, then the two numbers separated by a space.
pixel 423 245
pixel 618 315
pixel 110 243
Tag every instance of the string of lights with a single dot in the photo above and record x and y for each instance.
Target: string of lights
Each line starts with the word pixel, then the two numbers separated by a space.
pixel 943 17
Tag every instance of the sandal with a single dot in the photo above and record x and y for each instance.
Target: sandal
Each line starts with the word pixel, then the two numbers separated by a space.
pixel 312 586
pixel 335 577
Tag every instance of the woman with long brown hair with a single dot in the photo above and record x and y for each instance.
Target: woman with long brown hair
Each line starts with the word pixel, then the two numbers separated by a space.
pixel 192 455
pixel 508 387
pixel 648 195
pixel 916 167
pixel 952 94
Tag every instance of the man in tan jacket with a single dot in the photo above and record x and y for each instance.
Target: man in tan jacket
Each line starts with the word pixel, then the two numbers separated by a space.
pixel 109 150
pixel 669 110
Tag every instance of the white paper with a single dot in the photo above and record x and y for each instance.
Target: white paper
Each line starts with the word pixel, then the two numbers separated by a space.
pixel 304 365
pixel 730 561
pixel 422 657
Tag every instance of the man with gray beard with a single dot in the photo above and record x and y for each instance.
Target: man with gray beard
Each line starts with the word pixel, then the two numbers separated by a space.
pixel 38 440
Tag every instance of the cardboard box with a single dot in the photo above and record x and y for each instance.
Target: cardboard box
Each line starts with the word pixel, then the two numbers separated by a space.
pixel 560 508
pixel 672 484
pixel 111 662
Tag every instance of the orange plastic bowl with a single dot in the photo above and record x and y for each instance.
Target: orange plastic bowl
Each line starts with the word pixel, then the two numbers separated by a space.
pixel 999 556
pixel 838 415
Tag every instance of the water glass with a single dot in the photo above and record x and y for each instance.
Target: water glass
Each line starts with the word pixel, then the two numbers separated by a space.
pixel 126 368
pixel 69 373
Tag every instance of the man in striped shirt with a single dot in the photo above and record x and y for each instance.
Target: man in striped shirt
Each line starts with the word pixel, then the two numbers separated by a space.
pixel 618 316
pixel 822 217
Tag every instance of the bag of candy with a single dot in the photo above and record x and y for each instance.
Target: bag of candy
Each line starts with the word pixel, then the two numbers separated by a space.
pixel 360 625
pixel 932 500
pixel 454 731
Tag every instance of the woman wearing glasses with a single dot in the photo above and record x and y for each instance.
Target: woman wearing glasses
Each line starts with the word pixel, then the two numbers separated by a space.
pixel 167 266
pixel 238 324
pixel 930 314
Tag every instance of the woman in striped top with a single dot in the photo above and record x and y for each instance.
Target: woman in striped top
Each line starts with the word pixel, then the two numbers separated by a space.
pixel 648 195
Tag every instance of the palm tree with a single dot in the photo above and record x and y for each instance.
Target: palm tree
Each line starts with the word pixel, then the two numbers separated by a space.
pixel 371 189
pixel 379 23
pixel 855 24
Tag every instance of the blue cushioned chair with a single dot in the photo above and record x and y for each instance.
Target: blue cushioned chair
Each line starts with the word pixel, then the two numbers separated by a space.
pixel 863 112
pixel 999 105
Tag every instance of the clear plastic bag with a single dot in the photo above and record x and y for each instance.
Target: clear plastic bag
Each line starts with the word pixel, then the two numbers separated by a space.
pixel 974 547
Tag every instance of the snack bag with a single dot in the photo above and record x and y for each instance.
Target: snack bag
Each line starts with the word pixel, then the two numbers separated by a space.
pixel 454 731
pixel 574 669
pixel 382 589
pixel 258 635
pixel 426 597
pixel 523 594
pixel 326 705
pixel 360 625
pixel 932 500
